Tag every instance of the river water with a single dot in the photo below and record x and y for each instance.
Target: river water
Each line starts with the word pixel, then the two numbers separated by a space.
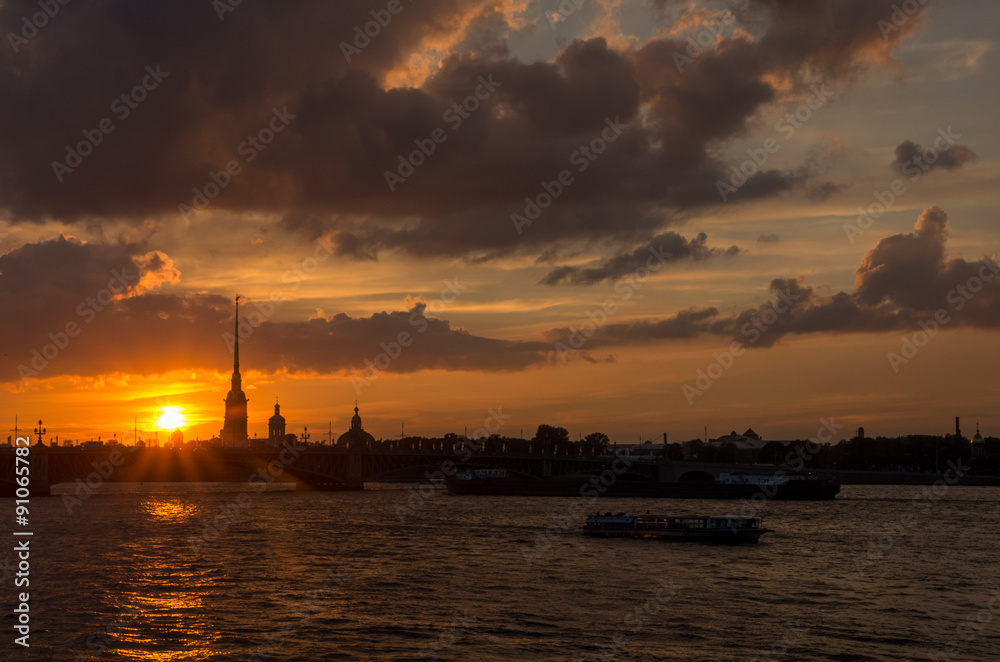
pixel 132 573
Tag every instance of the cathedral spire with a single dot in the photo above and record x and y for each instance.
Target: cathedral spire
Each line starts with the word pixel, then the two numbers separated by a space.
pixel 236 350
pixel 237 381
pixel 234 428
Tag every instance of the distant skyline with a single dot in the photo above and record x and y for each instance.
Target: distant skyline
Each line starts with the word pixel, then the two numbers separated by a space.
pixel 629 218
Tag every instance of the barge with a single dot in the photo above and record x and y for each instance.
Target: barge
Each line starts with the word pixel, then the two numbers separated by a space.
pixel 498 482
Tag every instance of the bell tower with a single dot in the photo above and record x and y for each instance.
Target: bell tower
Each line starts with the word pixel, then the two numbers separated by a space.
pixel 276 425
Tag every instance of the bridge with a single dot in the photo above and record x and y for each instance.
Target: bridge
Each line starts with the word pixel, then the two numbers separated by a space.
pixel 324 468
pixel 313 467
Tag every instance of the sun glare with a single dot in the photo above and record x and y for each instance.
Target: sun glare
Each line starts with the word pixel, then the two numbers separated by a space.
pixel 171 418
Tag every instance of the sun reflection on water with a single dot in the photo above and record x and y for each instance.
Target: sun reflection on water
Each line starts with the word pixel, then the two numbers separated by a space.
pixel 168 510
pixel 165 601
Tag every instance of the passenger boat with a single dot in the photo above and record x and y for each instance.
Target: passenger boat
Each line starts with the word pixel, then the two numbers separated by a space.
pixel 724 529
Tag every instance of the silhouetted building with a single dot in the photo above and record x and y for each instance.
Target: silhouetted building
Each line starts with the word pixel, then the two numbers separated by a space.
pixel 958 430
pixel 176 439
pixel 978 445
pixel 748 445
pixel 356 437
pixel 276 425
pixel 234 429
pixel 861 433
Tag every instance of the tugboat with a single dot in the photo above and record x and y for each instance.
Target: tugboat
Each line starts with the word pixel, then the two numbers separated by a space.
pixel 724 529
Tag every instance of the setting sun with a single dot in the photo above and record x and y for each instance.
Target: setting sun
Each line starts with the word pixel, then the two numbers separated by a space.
pixel 171 418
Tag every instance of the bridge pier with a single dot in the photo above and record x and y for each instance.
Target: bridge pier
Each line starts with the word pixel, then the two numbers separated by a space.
pixel 355 468
pixel 664 472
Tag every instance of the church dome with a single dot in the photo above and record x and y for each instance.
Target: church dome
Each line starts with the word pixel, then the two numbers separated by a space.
pixel 978 439
pixel 356 437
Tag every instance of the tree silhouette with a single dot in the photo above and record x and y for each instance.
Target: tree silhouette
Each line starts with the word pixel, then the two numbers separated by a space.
pixel 596 442
pixel 551 439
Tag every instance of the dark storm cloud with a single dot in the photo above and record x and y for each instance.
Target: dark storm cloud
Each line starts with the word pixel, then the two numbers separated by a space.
pixel 344 343
pixel 660 250
pixel 85 309
pixel 796 308
pixel 222 80
pixel 912 158
pixel 903 281
pixel 685 324
pixel 910 271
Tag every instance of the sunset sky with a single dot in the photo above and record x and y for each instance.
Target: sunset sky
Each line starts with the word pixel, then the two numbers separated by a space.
pixel 574 244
